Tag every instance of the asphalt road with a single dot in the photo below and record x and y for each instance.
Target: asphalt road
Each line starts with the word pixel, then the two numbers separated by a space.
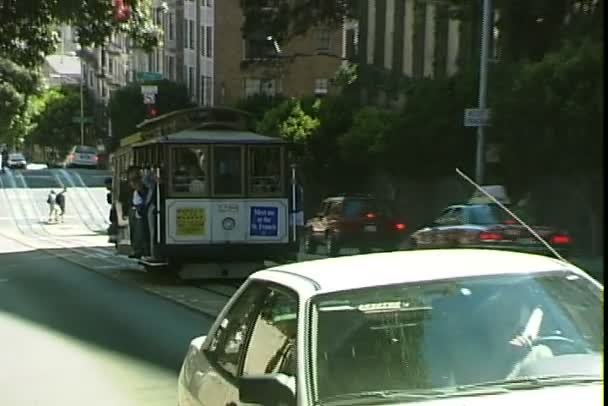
pixel 74 337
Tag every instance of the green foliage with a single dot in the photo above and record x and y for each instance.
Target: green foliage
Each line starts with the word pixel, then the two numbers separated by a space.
pixel 554 112
pixel 27 27
pixel 289 120
pixel 127 108
pixel 52 118
pixel 17 85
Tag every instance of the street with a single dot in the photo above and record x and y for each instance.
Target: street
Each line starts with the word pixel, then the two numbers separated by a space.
pixel 78 325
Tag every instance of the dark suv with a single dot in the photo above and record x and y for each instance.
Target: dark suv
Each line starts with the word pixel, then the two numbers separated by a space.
pixel 353 221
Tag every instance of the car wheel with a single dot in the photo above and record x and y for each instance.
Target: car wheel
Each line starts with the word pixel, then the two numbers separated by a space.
pixel 310 247
pixel 331 245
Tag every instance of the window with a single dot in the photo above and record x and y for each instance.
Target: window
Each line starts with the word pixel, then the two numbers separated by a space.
pixel 273 337
pixel 335 209
pixel 209 45
pixel 190 169
pixel 203 42
pixel 228 176
pixel 321 87
pixel 226 346
pixel 171 67
pixel 254 87
pixel 265 169
pixel 209 3
pixel 171 27
pixel 322 38
pixel 185 33
pixel 206 91
pixel 191 34
pixel 191 90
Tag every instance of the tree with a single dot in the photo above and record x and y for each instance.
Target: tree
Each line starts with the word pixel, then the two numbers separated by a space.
pixel 27 27
pixel 52 118
pixel 127 108
pixel 17 84
pixel 289 120
pixel 259 104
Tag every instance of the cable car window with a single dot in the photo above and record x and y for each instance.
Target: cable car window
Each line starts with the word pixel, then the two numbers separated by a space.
pixel 190 169
pixel 265 170
pixel 228 174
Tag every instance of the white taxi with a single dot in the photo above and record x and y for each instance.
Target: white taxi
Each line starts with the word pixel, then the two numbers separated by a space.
pixel 431 327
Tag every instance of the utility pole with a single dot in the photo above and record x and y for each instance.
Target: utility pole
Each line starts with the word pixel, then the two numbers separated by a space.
pixel 487 22
pixel 81 96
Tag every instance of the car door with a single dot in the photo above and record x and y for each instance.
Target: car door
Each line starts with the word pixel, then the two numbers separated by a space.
pixel 272 345
pixel 445 233
pixel 429 236
pixel 211 375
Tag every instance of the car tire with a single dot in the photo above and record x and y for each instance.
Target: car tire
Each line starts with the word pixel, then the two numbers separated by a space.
pixel 331 245
pixel 310 246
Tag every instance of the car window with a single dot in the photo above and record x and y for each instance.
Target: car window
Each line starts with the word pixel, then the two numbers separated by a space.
pixel 190 169
pixel 272 347
pixel 227 345
pixel 445 217
pixel 86 150
pixel 444 333
pixel 335 209
pixel 355 208
pixel 492 214
pixel 16 156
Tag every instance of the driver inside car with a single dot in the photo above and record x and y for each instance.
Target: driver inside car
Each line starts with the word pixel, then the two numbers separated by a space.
pixel 502 343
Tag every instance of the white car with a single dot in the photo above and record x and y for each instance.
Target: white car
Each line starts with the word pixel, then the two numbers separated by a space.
pixel 431 327
pixel 82 156
pixel 16 161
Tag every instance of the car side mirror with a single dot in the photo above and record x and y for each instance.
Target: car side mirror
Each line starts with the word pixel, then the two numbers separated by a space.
pixel 267 390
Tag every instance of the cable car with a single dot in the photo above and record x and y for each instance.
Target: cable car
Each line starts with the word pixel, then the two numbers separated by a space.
pixel 204 195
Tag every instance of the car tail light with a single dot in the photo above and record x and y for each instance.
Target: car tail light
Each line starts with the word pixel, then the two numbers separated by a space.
pixel 561 239
pixel 71 156
pixel 96 158
pixel 490 236
pixel 370 215
pixel 400 227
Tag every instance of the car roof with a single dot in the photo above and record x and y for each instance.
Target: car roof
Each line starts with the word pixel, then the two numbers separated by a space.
pixel 360 271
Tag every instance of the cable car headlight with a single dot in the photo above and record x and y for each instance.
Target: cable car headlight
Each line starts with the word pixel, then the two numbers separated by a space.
pixel 228 223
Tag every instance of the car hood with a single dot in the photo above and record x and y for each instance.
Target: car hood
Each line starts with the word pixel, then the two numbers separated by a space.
pixel 582 394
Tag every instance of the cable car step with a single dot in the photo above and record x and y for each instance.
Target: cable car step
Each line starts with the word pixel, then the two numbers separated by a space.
pixel 152 263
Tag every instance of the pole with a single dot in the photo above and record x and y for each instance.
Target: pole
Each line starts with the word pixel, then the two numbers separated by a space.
pixel 81 100
pixel 294 185
pixel 487 24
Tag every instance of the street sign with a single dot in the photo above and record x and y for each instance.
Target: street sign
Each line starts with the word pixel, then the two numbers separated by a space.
pixel 148 76
pixel 147 89
pixel 86 120
pixel 149 98
pixel 477 117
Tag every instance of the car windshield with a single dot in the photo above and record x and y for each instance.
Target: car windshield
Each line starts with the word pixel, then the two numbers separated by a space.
pixel 86 150
pixel 492 214
pixel 16 157
pixel 450 334
pixel 355 208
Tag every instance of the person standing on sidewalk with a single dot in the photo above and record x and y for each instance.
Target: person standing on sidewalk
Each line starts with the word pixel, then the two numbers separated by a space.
pixel 51 200
pixel 60 199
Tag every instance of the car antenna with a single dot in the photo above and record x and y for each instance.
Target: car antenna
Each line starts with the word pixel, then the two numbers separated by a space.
pixel 520 221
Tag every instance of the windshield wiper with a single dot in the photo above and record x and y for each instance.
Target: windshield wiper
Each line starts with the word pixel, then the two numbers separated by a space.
pixel 382 396
pixel 534 382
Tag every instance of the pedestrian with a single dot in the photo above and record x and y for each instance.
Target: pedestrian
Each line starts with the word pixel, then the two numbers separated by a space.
pixel 4 159
pixel 60 200
pixel 53 209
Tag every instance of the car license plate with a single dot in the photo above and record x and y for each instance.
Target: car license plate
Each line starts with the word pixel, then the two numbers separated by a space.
pixel 369 229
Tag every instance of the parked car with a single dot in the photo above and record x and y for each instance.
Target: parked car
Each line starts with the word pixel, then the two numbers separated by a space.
pixel 353 221
pixel 81 156
pixel 17 161
pixel 53 161
pixel 441 327
pixel 487 226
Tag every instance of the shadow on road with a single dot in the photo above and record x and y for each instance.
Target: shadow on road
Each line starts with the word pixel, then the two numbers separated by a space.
pixel 93 308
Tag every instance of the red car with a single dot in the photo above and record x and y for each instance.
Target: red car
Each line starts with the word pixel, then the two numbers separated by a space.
pixel 353 221
pixel 487 226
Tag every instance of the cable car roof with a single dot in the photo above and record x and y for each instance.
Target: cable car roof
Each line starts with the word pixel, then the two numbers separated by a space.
pixel 213 136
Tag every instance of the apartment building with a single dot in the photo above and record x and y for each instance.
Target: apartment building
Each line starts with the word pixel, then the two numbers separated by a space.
pixel 203 47
pixel 417 38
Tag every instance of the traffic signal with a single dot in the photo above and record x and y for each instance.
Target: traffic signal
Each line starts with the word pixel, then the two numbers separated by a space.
pixel 151 111
pixel 122 11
